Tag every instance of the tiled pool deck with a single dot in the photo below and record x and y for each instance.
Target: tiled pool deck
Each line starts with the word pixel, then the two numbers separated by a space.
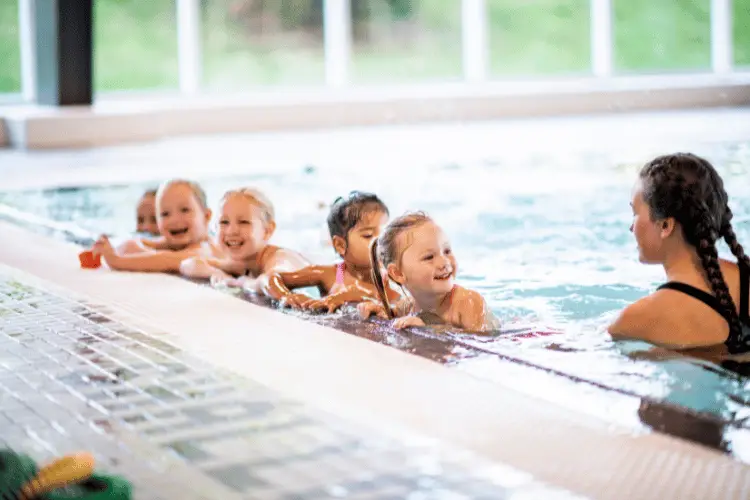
pixel 74 377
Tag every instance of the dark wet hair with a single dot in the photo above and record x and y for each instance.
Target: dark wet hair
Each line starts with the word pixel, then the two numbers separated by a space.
pixel 688 188
pixel 346 212
pixel 386 250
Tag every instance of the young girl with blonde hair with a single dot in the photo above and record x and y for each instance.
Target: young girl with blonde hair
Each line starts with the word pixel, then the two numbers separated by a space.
pixel 243 255
pixel 416 254
pixel 182 216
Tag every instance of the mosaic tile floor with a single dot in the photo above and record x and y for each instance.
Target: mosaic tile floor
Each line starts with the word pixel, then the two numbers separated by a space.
pixel 73 377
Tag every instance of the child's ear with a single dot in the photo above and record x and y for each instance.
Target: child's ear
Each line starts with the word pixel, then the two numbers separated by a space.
pixel 339 244
pixel 270 229
pixel 208 215
pixel 395 274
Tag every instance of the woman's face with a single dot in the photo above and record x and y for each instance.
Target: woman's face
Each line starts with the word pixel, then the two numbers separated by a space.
pixel 649 234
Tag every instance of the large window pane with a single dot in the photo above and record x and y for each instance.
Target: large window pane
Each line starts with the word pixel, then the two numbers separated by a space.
pixel 539 37
pixel 135 45
pixel 741 20
pixel 406 40
pixel 10 52
pixel 658 35
pixel 262 42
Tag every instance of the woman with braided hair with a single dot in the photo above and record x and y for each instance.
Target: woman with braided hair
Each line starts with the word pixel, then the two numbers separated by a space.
pixel 679 212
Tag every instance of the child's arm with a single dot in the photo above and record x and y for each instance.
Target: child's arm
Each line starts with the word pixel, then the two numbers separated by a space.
pixel 282 260
pixel 139 245
pixel 374 307
pixel 155 244
pixel 473 311
pixel 279 286
pixel 148 261
pixel 332 302
pixel 202 268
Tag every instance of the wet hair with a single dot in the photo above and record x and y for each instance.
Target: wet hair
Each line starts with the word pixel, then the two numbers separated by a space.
pixel 148 193
pixel 346 212
pixel 387 249
pixel 688 188
pixel 257 198
pixel 200 195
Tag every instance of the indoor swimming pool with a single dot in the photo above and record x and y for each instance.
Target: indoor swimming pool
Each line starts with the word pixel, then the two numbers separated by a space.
pixel 544 236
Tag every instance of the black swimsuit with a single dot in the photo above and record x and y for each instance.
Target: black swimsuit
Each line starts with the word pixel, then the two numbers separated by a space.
pixel 734 344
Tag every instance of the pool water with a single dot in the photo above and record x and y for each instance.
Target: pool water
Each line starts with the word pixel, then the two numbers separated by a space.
pixel 544 237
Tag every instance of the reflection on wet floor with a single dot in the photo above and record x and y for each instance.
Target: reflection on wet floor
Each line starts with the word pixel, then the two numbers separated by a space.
pixel 71 377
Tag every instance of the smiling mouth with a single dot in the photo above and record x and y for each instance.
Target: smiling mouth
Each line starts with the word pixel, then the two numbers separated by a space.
pixel 178 232
pixel 234 244
pixel 444 276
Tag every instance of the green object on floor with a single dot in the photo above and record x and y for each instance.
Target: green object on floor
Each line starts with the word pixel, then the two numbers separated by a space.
pixel 16 469
pixel 97 487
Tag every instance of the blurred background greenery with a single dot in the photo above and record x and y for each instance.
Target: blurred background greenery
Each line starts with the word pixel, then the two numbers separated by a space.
pixel 249 43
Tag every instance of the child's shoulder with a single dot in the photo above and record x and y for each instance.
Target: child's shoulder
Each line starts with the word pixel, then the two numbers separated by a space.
pixel 467 298
pixel 273 254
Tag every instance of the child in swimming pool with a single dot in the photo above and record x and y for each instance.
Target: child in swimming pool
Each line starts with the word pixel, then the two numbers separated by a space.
pixel 416 254
pixel 182 216
pixel 242 254
pixel 146 214
pixel 353 222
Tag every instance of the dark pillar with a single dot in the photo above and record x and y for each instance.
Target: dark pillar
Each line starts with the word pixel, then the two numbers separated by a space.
pixel 64 52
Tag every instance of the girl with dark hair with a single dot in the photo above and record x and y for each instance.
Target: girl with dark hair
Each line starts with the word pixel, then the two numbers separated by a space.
pixel 680 210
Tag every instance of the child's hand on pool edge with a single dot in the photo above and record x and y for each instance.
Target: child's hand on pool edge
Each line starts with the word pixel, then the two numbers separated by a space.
pixel 295 301
pixel 103 247
pixel 368 308
pixel 407 321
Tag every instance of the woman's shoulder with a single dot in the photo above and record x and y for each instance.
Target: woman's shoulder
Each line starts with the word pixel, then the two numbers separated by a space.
pixel 638 318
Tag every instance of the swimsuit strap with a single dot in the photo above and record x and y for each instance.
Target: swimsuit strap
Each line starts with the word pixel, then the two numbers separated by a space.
pixel 340 267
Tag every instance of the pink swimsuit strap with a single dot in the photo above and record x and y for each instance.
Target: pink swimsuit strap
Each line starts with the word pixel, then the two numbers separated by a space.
pixel 340 267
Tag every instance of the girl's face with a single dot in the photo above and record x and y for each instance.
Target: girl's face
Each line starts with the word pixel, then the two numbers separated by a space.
pixel 146 216
pixel 243 232
pixel 427 261
pixel 649 235
pixel 181 218
pixel 355 250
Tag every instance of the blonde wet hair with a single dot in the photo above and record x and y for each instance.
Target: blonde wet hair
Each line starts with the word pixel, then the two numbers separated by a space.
pixel 387 249
pixel 257 198
pixel 196 189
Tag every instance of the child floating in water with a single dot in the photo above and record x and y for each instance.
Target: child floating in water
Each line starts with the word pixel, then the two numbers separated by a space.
pixel 146 214
pixel 242 255
pixel 182 216
pixel 417 255
pixel 353 222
